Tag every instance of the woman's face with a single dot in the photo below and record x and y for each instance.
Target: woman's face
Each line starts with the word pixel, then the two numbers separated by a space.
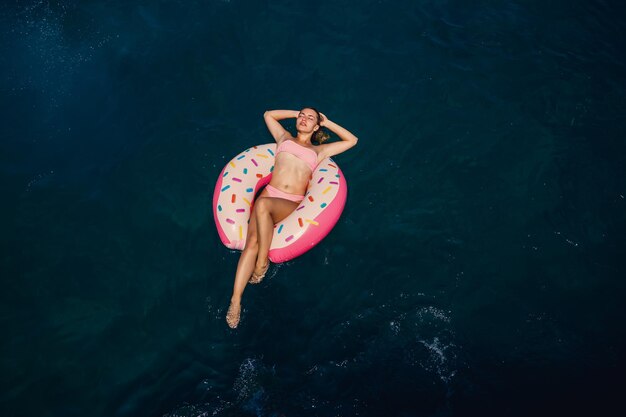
pixel 307 121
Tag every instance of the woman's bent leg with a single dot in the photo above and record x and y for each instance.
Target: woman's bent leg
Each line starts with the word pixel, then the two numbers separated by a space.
pixel 272 211
pixel 269 211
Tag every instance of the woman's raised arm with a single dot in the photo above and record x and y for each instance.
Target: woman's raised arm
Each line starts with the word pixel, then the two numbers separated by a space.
pixel 276 129
pixel 348 140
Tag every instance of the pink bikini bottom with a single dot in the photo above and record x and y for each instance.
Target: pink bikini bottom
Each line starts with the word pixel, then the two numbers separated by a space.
pixel 276 193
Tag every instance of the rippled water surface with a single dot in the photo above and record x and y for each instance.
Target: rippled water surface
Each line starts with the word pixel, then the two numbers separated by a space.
pixel 478 268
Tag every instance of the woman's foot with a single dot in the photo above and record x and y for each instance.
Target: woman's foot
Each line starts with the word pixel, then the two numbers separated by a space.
pixel 233 315
pixel 259 273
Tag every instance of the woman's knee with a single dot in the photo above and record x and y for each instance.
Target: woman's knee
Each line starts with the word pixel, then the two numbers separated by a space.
pixel 261 206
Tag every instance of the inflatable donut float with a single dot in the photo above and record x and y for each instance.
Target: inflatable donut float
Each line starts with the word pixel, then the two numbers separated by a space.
pixel 244 176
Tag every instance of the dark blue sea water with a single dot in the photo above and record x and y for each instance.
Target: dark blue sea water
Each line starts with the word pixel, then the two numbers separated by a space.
pixel 478 268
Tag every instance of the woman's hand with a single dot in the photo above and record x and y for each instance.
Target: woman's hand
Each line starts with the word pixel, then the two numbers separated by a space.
pixel 323 119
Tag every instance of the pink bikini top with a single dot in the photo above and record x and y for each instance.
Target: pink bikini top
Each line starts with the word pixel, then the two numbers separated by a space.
pixel 306 154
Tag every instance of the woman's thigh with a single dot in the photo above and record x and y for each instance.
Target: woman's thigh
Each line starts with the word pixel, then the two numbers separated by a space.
pixel 279 208
pixel 251 235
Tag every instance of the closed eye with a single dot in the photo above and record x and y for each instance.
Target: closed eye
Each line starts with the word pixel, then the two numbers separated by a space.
pixel 308 116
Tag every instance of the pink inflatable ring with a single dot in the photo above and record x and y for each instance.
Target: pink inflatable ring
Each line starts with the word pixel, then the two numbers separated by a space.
pixel 312 220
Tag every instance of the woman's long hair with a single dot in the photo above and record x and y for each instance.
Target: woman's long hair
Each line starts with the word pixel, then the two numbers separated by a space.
pixel 320 136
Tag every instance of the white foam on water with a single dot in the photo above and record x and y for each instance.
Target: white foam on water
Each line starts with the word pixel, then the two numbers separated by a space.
pixel 246 382
pixel 440 358
pixel 248 385
pixel 395 327
pixel 434 312
pixel 437 338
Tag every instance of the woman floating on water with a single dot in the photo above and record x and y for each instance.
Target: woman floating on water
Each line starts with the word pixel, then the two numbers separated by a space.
pixel 295 160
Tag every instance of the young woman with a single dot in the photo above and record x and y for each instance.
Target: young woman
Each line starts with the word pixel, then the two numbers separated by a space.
pixel 295 160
